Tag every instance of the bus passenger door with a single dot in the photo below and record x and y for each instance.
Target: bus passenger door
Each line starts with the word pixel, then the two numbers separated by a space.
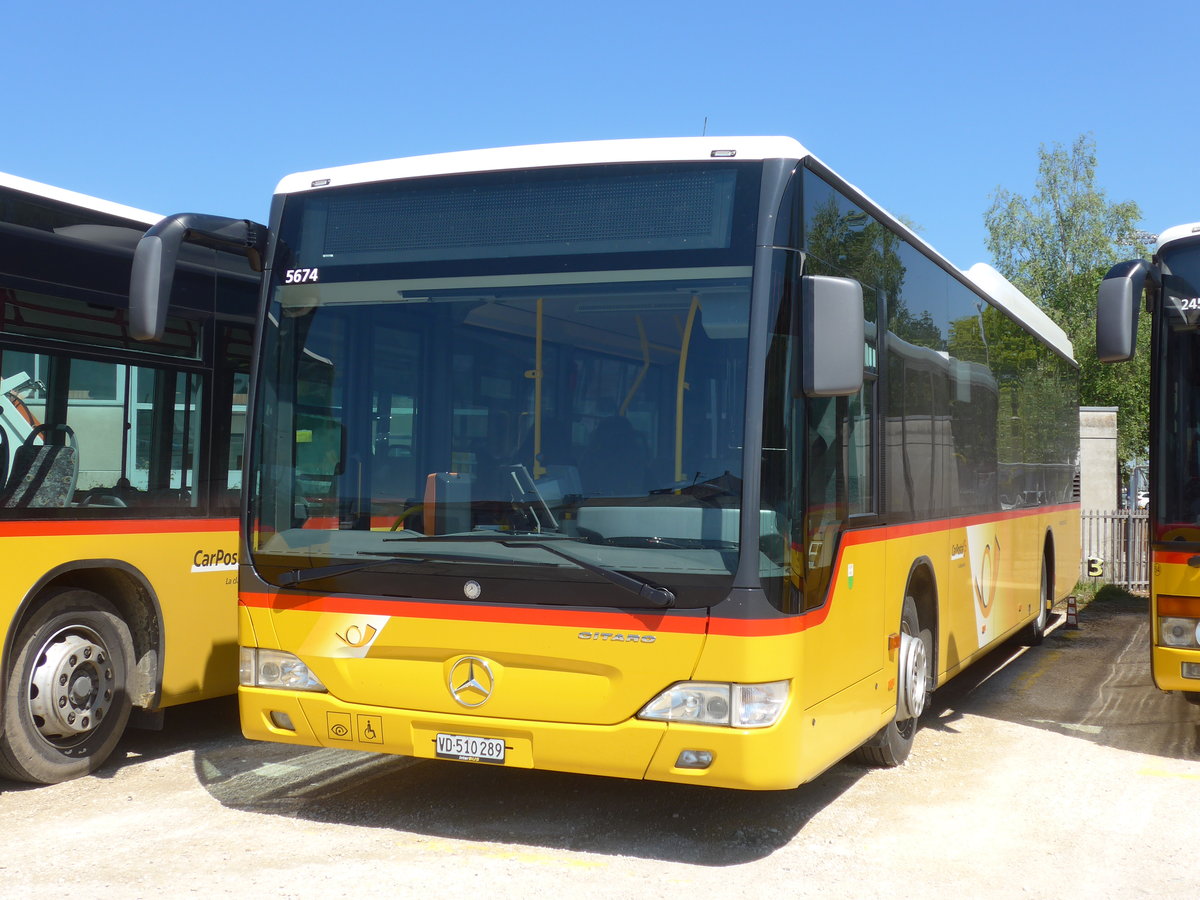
pixel 820 469
pixel 843 585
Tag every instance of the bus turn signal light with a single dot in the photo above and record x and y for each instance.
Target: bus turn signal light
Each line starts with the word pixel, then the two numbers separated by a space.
pixel 1188 607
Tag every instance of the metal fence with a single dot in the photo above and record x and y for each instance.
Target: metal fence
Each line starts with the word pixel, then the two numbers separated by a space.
pixel 1120 538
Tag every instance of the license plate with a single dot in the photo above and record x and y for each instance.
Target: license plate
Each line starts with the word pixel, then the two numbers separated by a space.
pixel 471 749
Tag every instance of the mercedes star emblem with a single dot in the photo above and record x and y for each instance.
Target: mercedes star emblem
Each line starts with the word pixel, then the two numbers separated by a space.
pixel 471 681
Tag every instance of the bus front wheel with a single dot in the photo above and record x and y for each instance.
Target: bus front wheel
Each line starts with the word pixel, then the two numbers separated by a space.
pixel 67 698
pixel 892 744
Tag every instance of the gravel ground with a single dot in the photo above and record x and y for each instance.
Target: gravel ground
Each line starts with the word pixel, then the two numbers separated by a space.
pixel 1057 771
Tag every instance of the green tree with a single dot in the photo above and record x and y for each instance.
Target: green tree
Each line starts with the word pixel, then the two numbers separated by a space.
pixel 1056 246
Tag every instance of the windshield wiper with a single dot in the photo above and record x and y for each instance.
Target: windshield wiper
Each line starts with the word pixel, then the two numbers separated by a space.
pixel 658 597
pixel 300 576
pixel 652 594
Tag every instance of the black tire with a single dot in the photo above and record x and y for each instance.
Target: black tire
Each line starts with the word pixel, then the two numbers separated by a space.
pixel 891 744
pixel 67 699
pixel 1192 697
pixel 1035 632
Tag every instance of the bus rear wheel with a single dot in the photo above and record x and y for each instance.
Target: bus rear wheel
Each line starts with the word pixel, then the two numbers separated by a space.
pixel 67 698
pixel 1035 632
pixel 892 744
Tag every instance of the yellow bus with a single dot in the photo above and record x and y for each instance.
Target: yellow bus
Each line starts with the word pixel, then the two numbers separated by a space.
pixel 121 471
pixel 1171 284
pixel 670 459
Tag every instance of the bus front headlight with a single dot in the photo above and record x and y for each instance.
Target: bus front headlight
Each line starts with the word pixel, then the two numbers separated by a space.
pixel 275 669
pixel 719 703
pixel 1174 631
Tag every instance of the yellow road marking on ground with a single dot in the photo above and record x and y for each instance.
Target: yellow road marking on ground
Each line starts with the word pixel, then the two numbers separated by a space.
pixel 1046 661
pixel 1163 773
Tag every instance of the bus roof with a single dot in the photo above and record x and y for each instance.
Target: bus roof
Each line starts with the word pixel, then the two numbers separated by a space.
pixel 991 283
pixel 539 156
pixel 1177 232
pixel 1008 297
pixel 82 201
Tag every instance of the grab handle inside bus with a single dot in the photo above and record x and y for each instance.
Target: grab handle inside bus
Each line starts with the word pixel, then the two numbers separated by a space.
pixel 157 255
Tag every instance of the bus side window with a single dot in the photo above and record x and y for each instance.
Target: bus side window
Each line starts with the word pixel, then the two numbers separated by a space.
pixel 231 388
pixel 860 466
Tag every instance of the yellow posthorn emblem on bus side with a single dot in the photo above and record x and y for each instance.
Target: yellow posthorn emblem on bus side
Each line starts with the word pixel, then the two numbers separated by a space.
pixel 358 637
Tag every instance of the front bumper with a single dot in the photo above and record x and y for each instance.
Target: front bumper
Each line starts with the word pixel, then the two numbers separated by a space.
pixel 1167 666
pixel 750 759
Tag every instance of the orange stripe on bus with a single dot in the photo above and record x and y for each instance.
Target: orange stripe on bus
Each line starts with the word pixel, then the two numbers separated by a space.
pixel 416 609
pixel 934 525
pixel 1172 557
pixel 665 622
pixel 27 528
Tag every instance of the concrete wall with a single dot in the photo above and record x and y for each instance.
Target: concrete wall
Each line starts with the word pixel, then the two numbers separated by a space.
pixel 1098 457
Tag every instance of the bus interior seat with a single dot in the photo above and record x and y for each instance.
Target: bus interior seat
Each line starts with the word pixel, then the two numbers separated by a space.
pixel 120 496
pixel 447 506
pixel 43 475
pixel 104 498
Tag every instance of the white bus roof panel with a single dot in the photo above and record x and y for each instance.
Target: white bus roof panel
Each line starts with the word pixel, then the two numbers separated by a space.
pixel 1177 232
pixel 1005 295
pixel 540 156
pixel 61 195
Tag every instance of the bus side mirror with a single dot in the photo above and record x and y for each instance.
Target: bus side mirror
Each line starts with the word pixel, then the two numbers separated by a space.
pixel 833 336
pixel 157 255
pixel 1117 310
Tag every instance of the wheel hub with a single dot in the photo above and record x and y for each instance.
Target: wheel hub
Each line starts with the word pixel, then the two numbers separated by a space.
pixel 71 687
pixel 910 700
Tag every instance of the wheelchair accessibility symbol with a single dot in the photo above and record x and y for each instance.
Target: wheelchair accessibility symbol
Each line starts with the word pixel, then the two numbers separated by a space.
pixel 370 729
pixel 344 727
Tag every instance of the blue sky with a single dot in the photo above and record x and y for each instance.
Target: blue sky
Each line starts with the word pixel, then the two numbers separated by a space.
pixel 928 107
